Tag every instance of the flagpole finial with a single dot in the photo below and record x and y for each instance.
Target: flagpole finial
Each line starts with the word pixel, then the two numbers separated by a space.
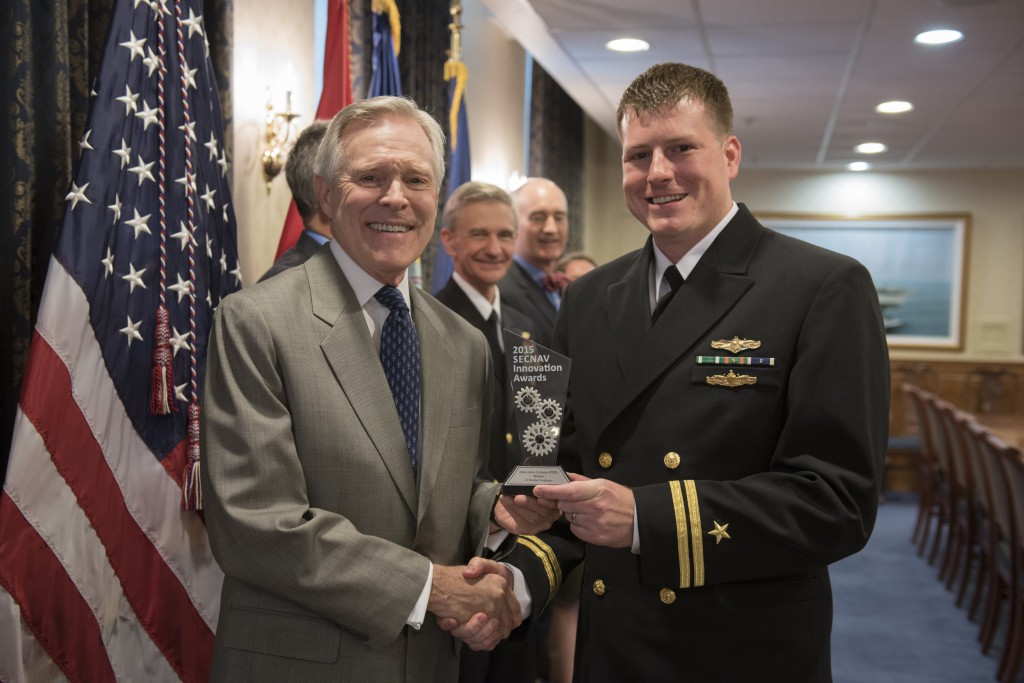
pixel 455 49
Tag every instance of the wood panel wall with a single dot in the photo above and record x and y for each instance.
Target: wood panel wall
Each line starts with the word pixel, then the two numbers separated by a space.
pixel 975 386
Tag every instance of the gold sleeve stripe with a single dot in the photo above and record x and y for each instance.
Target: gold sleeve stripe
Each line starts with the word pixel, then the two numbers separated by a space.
pixel 698 540
pixel 682 543
pixel 547 558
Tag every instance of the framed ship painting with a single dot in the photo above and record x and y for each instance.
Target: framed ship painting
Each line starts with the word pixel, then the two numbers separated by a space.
pixel 918 264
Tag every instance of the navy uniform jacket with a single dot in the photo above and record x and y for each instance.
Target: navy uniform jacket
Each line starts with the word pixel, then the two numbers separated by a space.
pixel 522 293
pixel 746 489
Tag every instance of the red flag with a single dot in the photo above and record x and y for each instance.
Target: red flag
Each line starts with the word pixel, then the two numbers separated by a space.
pixel 336 94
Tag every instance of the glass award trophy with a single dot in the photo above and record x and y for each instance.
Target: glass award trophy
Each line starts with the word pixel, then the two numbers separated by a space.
pixel 539 379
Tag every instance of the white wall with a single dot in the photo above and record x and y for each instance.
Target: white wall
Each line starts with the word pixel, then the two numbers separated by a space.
pixel 494 95
pixel 994 199
pixel 273 49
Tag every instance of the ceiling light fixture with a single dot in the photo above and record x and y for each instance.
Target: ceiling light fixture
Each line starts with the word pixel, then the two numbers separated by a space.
pixel 894 107
pixel 938 37
pixel 870 148
pixel 628 45
pixel 858 166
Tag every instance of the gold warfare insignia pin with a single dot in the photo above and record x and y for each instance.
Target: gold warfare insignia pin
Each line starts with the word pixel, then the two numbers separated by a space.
pixel 719 532
pixel 731 380
pixel 735 345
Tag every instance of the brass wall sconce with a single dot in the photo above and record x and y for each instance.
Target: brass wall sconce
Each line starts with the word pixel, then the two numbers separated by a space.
pixel 279 133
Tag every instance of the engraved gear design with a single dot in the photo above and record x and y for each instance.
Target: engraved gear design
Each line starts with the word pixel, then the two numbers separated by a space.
pixel 539 439
pixel 549 412
pixel 527 399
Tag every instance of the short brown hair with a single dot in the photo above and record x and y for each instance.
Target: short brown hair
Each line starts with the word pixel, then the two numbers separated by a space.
pixel 299 171
pixel 666 85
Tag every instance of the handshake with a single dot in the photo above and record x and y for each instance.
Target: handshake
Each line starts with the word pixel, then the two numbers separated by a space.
pixel 476 602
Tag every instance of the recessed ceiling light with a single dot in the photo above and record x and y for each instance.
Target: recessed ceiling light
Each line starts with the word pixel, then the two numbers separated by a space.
pixel 870 148
pixel 894 107
pixel 628 45
pixel 858 166
pixel 938 37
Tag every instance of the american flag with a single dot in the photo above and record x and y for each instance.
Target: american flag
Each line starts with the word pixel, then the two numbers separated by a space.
pixel 104 575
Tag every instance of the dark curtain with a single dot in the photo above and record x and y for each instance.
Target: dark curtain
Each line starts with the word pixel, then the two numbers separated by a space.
pixel 425 42
pixel 556 146
pixel 49 55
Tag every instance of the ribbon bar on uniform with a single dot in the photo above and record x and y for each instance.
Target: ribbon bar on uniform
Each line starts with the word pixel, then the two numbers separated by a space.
pixel 734 360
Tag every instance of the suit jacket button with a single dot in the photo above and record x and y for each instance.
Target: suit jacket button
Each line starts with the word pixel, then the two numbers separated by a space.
pixel 605 460
pixel 599 588
pixel 508 437
pixel 667 595
pixel 671 460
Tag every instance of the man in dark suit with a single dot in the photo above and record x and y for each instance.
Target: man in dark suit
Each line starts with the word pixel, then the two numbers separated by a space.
pixel 730 419
pixel 298 170
pixel 345 421
pixel 532 286
pixel 479 232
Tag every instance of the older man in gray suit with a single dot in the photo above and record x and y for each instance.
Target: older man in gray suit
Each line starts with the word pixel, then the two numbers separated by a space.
pixel 345 422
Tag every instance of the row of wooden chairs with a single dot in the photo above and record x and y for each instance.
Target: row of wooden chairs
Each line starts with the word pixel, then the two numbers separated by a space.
pixel 971 519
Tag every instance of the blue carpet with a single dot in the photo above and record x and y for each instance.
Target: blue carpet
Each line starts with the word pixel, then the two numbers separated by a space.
pixel 894 621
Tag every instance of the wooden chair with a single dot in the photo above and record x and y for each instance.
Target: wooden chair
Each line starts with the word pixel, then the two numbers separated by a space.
pixel 995 391
pixel 927 499
pixel 972 433
pixel 945 493
pixel 1013 469
pixel 963 548
pixel 999 538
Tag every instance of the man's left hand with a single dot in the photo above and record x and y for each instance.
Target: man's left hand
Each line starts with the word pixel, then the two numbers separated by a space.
pixel 523 515
pixel 600 511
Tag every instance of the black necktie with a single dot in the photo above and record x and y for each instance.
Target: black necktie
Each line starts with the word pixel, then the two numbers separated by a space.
pixel 675 281
pixel 493 330
pixel 400 356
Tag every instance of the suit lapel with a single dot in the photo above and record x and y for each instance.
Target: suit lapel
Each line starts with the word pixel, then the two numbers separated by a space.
pixel 713 288
pixel 437 389
pixel 534 294
pixel 350 353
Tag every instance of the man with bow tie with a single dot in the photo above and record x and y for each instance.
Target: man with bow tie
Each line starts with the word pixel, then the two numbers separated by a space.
pixel 532 285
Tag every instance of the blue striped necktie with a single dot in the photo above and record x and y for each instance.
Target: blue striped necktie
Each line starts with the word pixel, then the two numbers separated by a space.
pixel 400 356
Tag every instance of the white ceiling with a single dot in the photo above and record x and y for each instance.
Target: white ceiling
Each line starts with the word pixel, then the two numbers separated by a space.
pixel 805 75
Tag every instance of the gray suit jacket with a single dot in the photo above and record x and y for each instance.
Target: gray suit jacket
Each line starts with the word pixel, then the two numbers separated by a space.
pixel 324 536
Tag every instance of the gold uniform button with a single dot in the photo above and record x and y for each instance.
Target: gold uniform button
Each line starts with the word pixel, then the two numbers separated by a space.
pixel 605 460
pixel 671 460
pixel 508 437
pixel 667 595
pixel 599 588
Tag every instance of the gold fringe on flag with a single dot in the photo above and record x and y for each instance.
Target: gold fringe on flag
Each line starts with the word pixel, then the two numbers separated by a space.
pixel 457 70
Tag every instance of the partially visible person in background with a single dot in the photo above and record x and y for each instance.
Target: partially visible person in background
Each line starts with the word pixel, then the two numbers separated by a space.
pixel 575 264
pixel 531 285
pixel 299 172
